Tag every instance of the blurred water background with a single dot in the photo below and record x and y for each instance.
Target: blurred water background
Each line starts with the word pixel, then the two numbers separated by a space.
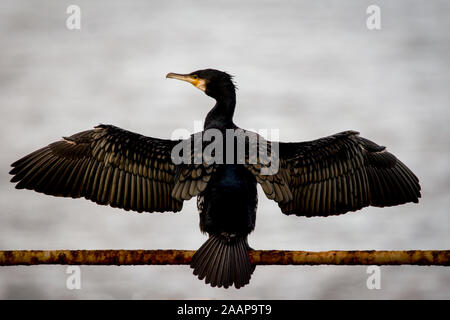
pixel 309 68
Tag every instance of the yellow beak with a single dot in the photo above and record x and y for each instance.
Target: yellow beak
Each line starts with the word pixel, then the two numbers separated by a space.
pixel 196 81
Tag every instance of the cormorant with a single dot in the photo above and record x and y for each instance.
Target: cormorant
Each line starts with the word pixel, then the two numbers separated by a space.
pixel 111 166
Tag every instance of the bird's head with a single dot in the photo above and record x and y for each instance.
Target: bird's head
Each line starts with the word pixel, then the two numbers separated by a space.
pixel 214 83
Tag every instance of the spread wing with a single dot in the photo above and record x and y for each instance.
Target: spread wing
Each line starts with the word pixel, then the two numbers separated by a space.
pixel 107 165
pixel 343 172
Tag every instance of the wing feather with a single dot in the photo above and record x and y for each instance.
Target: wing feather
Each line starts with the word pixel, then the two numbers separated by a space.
pixel 341 173
pixel 107 165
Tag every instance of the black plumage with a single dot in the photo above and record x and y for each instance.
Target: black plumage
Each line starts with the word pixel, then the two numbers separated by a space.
pixel 344 172
pixel 107 165
pixel 111 166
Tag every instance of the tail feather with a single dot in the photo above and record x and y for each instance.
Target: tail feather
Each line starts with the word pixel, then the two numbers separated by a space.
pixel 223 261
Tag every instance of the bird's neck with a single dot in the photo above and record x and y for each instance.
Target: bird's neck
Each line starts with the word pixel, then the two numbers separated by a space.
pixel 221 116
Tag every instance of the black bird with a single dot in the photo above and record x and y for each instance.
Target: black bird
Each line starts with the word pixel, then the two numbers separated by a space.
pixel 111 166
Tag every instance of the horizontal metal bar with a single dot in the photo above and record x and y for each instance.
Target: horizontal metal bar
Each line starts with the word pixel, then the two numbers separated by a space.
pixel 258 257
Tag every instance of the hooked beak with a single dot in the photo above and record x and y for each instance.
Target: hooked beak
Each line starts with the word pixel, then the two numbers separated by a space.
pixel 194 80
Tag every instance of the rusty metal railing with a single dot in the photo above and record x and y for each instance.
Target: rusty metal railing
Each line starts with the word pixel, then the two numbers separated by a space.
pixel 258 257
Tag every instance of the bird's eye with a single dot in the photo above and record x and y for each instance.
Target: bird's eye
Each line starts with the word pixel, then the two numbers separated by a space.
pixel 194 77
